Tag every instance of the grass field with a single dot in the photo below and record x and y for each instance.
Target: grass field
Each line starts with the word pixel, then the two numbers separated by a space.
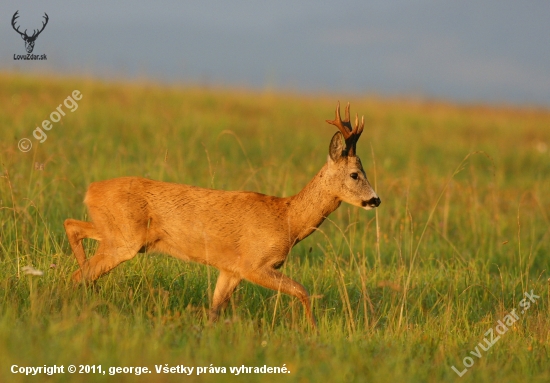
pixel 402 293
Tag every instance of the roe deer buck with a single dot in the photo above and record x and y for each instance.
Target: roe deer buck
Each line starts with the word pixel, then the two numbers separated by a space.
pixel 245 235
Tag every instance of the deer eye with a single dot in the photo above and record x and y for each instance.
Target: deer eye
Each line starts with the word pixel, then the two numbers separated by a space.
pixel 354 175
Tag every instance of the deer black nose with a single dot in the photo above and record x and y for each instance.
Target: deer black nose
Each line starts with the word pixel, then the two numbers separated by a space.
pixel 374 202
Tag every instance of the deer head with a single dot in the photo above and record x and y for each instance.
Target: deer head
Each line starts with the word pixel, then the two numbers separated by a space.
pixel 29 40
pixel 349 178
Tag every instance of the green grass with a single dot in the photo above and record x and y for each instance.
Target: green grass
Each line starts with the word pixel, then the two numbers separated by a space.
pixel 401 293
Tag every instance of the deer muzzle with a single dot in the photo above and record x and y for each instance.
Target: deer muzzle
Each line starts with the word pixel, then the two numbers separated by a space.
pixel 371 203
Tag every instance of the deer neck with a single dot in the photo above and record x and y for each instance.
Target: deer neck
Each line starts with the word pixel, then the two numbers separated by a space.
pixel 309 208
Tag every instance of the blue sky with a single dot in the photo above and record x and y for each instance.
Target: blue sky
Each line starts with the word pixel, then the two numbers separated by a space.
pixel 468 51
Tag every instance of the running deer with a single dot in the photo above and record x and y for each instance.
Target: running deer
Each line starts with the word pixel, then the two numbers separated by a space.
pixel 245 235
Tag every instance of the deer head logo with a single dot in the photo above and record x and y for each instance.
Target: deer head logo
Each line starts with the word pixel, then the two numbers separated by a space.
pixel 29 40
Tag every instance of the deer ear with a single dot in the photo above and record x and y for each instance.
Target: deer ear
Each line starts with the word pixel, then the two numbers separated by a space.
pixel 337 148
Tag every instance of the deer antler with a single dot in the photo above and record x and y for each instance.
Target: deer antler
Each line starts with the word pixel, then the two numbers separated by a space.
pixel 15 16
pixel 35 34
pixel 351 135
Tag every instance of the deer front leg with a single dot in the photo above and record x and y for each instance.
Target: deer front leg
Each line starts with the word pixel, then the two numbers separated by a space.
pixel 226 284
pixel 275 280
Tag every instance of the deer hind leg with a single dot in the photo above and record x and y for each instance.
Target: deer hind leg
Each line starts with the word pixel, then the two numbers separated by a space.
pixel 120 237
pixel 76 232
pixel 226 284
pixel 275 280
pixel 109 254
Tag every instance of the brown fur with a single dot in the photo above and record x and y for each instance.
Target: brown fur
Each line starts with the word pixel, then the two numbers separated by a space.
pixel 245 235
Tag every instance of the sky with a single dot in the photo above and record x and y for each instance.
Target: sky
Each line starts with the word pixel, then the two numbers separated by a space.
pixel 465 51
